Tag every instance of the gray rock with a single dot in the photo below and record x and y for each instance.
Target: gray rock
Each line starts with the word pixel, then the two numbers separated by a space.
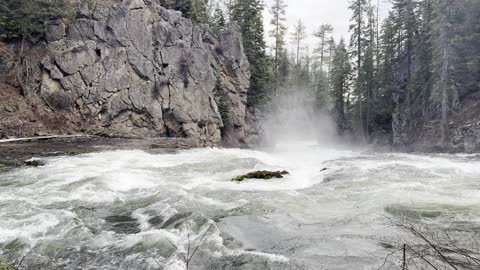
pixel 135 66
pixel 55 31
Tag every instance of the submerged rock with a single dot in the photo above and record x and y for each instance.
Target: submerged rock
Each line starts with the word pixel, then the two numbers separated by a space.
pixel 260 175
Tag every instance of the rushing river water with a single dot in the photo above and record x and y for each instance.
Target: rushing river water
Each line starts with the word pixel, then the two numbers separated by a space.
pixel 138 210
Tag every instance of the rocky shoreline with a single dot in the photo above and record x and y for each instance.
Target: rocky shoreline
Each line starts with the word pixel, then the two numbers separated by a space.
pixel 15 153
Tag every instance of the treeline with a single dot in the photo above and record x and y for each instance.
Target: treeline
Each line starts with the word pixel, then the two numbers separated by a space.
pixel 403 76
pixel 399 78
pixel 410 71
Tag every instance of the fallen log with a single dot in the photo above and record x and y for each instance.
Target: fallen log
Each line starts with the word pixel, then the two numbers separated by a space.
pixel 40 138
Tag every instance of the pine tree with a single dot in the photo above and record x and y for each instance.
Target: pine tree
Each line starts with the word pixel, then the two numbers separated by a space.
pixel 298 35
pixel 359 8
pixel 198 11
pixel 218 21
pixel 247 14
pixel 278 11
pixel 222 102
pixel 27 19
pixel 324 35
pixel 424 76
pixel 445 35
pixel 331 48
pixel 323 54
pixel 418 71
pixel 369 68
pixel 472 45
pixel 387 69
pixel 340 76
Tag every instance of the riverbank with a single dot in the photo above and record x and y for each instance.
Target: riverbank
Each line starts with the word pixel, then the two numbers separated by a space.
pixel 13 153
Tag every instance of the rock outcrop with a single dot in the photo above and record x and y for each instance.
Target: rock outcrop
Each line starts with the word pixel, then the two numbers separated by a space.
pixel 425 136
pixel 135 66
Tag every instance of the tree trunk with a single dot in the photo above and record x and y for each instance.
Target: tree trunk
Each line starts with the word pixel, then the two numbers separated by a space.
pixel 298 51
pixel 359 63
pixel 444 80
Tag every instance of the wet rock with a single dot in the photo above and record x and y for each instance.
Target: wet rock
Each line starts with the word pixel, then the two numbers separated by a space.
pixel 34 163
pixel 176 220
pixel 387 245
pixel 260 175
pixel 123 224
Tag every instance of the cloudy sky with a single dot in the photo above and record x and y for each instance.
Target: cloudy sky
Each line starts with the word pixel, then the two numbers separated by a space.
pixel 313 13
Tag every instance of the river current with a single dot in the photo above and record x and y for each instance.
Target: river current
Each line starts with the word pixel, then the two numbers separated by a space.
pixel 131 209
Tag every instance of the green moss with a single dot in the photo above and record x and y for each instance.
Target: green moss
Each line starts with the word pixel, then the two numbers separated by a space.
pixel 25 158
pixel 105 132
pixel 260 175
pixel 2 166
pixel 4 265
pixel 34 163
pixel 57 47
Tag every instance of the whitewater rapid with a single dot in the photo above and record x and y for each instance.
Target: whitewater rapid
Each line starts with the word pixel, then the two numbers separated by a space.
pixel 133 209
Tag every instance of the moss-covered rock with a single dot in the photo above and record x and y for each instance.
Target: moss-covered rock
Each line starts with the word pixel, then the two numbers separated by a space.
pixel 4 265
pixel 106 133
pixel 24 158
pixel 34 163
pixel 260 175
pixel 3 166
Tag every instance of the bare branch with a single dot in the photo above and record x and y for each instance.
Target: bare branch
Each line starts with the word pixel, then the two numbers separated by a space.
pixel 434 247
pixel 422 257
pixel 201 240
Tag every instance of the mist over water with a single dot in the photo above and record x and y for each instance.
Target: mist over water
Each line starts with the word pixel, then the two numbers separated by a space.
pixel 295 118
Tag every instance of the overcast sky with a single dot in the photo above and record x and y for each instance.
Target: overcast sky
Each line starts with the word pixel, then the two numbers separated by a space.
pixel 313 13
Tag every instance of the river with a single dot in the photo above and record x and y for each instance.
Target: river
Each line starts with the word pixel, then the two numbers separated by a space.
pixel 131 209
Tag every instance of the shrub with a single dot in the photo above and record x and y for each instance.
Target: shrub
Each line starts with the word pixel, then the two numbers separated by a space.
pixel 222 102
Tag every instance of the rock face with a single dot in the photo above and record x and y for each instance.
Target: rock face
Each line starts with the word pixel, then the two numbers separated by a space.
pixel 138 67
pixel 463 134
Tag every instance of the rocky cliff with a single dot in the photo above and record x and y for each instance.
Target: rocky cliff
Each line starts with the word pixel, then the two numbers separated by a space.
pixel 134 66
pixel 425 135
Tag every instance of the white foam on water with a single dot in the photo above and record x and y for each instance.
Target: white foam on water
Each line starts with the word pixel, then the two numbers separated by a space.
pixel 29 228
pixel 361 186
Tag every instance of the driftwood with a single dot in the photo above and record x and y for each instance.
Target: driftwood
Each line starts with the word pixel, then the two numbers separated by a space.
pixel 40 138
